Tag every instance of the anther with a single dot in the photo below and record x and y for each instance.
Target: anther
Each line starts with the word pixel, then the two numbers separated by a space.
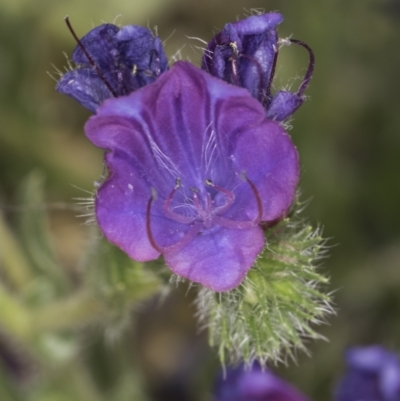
pixel 233 60
pixel 234 48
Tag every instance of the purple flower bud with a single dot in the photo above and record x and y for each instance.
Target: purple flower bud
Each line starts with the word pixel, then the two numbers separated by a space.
pixel 373 374
pixel 245 52
pixel 122 60
pixel 195 168
pixel 254 385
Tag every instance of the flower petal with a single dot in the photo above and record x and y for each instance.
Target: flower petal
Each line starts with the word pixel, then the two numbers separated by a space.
pixel 183 126
pixel 194 127
pixel 373 375
pixel 121 211
pixel 239 384
pixel 267 157
pixel 218 258
pixel 250 44
pixel 85 86
pixel 283 105
pixel 128 58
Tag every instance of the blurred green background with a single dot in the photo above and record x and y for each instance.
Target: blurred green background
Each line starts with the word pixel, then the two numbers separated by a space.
pixel 348 136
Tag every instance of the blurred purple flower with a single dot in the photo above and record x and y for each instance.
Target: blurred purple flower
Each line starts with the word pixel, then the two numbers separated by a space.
pixel 254 385
pixel 245 52
pixel 373 374
pixel 195 167
pixel 115 62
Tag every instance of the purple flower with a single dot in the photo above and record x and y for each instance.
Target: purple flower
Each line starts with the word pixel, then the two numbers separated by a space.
pixel 373 375
pixel 245 52
pixel 194 168
pixel 113 62
pixel 254 385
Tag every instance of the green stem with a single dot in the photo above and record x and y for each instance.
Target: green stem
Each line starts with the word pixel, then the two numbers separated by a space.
pixel 81 308
pixel 15 319
pixel 80 380
pixel 17 267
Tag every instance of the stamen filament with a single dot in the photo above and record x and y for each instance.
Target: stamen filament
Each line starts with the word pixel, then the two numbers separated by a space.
pixel 230 197
pixel 310 69
pixel 190 234
pixel 148 226
pixel 271 75
pixel 258 200
pixel 170 213
pixel 243 225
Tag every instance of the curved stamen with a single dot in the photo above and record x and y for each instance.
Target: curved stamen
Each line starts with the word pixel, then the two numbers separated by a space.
pixel 229 195
pixel 310 69
pixel 243 225
pixel 170 213
pixel 258 200
pixel 148 224
pixel 190 234
pixel 89 57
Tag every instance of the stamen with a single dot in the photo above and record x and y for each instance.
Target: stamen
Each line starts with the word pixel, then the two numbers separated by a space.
pixel 197 204
pixel 258 200
pixel 229 195
pixel 89 57
pixel 243 225
pixel 190 234
pixel 170 213
pixel 271 76
pixel 234 58
pixel 310 69
pixel 148 225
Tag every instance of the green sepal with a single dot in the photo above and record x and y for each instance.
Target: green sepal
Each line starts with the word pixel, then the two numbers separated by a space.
pixel 278 304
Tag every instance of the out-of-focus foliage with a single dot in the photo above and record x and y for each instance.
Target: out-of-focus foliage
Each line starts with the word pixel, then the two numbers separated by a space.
pixel 349 142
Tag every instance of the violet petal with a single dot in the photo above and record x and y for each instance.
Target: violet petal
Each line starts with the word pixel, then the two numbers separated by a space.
pixel 373 375
pixel 243 53
pixel 85 86
pixel 128 58
pixel 218 258
pixel 254 385
pixel 283 105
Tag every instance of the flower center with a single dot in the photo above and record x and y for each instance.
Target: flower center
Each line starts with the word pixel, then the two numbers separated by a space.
pixel 206 215
pixel 204 209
